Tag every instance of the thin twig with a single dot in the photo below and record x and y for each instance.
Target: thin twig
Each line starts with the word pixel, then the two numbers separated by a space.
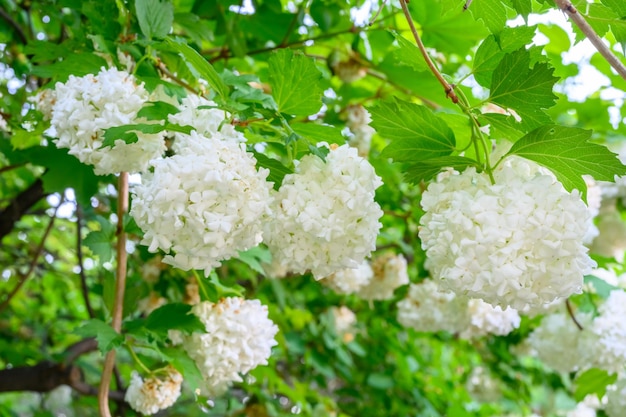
pixel 11 167
pixel 582 24
pixel 570 311
pixel 14 25
pixel 79 256
pixel 169 74
pixel 292 25
pixel 33 263
pixel 448 88
pixel 120 285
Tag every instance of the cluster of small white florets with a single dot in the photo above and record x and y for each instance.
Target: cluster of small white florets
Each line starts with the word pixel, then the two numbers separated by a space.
pixel 609 327
pixel 358 123
pixel 239 337
pixel 428 308
pixel 486 319
pixel 344 320
pixel 586 408
pixel 616 399
pixel 84 107
pixel 155 393
pixel 482 386
pixel 325 216
pixel 204 204
pixel 515 243
pixel 204 116
pixel 561 345
pixel 350 280
pixel 390 272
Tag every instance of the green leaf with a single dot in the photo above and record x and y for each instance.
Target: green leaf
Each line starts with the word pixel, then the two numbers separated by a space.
pixel 618 6
pixel 491 12
pixel 593 381
pixel 78 64
pixel 155 17
pixel 415 132
pixel 176 316
pixel 105 335
pixel 523 7
pixel 492 50
pixel 315 133
pixel 277 169
pixel 501 126
pixel 427 169
pixel 603 288
pixel 568 154
pixel 99 241
pixel 128 133
pixel 380 381
pixel 157 110
pixel 180 360
pixel 204 69
pixel 296 83
pixel 527 91
pixel 255 257
pixel 408 54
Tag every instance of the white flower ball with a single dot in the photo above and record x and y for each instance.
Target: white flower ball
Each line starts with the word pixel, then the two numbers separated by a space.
pixel 154 394
pixel 85 106
pixel 325 217
pixel 202 207
pixel 350 280
pixel 358 123
pixel 390 272
pixel 610 330
pixel 486 319
pixel 561 345
pixel 206 121
pixel 239 337
pixel 514 243
pixel 428 308
pixel 616 399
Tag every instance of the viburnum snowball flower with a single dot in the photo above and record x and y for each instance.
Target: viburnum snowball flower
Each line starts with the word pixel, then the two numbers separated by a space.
pixel 561 345
pixel 358 123
pixel 155 393
pixel 611 240
pixel 202 207
pixel 344 322
pixel 206 121
pixel 325 217
pixel 586 408
pixel 482 386
pixel 428 308
pixel 85 106
pixel 350 280
pixel 389 273
pixel 239 337
pixel 616 399
pixel 594 201
pixel 486 319
pixel 514 243
pixel 610 330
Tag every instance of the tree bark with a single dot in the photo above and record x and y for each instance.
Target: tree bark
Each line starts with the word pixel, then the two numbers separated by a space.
pixel 19 206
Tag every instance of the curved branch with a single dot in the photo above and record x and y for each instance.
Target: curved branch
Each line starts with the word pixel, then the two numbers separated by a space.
pixel 18 30
pixel 591 34
pixel 19 206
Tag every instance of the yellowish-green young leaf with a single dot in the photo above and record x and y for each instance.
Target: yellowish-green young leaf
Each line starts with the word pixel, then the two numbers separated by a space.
pixel 593 381
pixel 491 12
pixel 408 54
pixel 296 83
pixel 416 133
pixel 155 17
pixel 526 90
pixel 568 154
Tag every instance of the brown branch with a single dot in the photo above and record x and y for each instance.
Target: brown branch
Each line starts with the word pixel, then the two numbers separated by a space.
pixel 120 285
pixel 33 263
pixel 570 311
pixel 19 206
pixel 582 24
pixel 43 377
pixel 79 256
pixel 11 167
pixel 18 30
pixel 180 82
pixel 79 348
pixel 448 88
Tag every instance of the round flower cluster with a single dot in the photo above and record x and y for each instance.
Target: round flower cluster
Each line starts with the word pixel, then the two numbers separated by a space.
pixel 616 399
pixel 325 217
pixel 154 394
pixel 239 337
pixel 358 123
pixel 390 272
pixel 206 120
pixel 486 319
pixel 482 386
pixel 429 309
pixel 514 243
pixel 561 345
pixel 350 280
pixel 204 204
pixel 344 321
pixel 84 107
pixel 587 408
pixel 610 330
